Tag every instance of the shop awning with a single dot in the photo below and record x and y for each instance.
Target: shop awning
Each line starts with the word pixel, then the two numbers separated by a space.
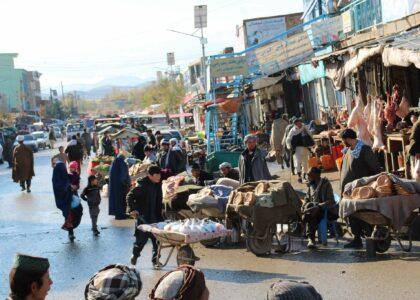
pixel 188 98
pixel 400 57
pixel 404 51
pixel 337 71
pixel 183 115
pixel 261 83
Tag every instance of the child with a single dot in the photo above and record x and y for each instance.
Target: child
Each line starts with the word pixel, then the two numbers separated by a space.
pixel 92 195
pixel 74 176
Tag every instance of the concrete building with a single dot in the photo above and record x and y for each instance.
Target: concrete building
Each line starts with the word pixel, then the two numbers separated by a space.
pixel 20 90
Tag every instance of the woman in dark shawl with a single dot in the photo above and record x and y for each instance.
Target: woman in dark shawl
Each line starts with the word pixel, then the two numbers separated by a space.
pixel 63 198
pixel 119 184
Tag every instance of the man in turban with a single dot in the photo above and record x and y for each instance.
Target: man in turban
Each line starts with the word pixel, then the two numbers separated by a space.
pixel 186 283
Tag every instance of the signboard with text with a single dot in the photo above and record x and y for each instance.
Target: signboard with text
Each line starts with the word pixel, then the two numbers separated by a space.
pixel 258 30
pixel 229 66
pixel 280 55
pixel 326 31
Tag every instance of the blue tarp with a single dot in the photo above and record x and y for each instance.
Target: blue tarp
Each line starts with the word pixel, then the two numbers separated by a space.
pixel 308 73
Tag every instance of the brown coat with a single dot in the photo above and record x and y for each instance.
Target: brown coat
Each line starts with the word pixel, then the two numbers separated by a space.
pixel 23 163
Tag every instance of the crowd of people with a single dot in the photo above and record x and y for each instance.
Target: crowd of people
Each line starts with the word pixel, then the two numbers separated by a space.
pixel 291 143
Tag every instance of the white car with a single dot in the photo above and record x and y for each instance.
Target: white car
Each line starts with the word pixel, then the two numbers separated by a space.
pixel 29 141
pixel 57 132
pixel 41 139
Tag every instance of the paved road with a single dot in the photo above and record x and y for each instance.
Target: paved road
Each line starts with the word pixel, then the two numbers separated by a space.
pixel 30 223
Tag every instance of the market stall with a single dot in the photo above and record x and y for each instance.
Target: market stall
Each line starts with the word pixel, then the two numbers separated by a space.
pixel 386 202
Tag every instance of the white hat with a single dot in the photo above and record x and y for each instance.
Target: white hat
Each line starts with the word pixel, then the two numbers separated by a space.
pixel 20 138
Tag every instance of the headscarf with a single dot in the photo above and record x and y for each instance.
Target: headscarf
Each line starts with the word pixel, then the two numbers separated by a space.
pixel 356 151
pixel 292 290
pixel 192 287
pixel 114 282
pixel 61 187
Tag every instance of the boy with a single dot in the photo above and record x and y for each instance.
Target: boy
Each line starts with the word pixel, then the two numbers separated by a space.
pixel 92 195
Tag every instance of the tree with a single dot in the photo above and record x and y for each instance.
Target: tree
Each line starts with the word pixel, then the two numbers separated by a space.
pixel 55 110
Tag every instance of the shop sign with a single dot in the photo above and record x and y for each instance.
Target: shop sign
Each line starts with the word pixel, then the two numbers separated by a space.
pixel 326 31
pixel 347 21
pixel 281 54
pixel 258 30
pixel 229 66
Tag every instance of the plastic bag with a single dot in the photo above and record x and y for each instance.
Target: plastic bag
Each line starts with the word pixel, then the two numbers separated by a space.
pixel 75 201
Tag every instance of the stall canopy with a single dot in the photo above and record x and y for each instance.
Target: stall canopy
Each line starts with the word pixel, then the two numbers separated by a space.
pixel 404 51
pixel 181 115
pixel 125 133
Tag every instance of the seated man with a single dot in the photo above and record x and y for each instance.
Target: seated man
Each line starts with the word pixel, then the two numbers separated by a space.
pixel 227 171
pixel 200 176
pixel 320 196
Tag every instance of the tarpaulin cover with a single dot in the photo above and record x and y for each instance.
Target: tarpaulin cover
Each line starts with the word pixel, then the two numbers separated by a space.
pixel 400 57
pixel 396 208
pixel 308 72
pixel 288 207
pixel 230 105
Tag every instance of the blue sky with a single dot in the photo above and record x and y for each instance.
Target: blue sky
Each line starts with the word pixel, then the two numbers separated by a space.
pixel 85 41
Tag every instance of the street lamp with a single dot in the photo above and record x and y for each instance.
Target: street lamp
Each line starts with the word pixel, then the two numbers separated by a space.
pixel 200 22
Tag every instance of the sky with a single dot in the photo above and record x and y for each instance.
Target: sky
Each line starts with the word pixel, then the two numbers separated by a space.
pixel 86 41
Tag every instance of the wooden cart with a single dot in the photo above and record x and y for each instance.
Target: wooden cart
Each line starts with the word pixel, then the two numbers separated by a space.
pixel 181 242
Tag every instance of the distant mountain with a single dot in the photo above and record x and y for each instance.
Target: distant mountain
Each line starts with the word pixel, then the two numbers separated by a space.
pixel 100 89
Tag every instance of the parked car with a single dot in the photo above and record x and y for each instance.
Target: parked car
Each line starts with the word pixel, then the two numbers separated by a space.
pixel 166 135
pixel 29 141
pixel 41 138
pixel 73 129
pixel 57 132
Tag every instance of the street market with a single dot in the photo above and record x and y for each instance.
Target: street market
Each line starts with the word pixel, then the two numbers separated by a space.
pixel 287 165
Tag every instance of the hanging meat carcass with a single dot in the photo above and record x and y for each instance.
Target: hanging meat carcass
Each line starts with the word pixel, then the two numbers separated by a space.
pixel 390 112
pixel 377 115
pixel 358 122
pixel 404 108
pixel 367 111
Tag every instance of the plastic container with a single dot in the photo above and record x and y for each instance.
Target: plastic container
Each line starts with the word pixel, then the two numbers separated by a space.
pixel 327 162
pixel 313 162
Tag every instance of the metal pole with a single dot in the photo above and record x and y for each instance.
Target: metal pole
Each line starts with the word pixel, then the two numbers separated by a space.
pixel 203 59
pixel 62 91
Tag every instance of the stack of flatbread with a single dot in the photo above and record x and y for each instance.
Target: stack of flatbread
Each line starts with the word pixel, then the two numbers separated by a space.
pixel 384 186
pixel 401 190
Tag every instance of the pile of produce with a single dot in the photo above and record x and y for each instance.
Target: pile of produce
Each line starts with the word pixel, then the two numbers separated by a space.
pixel 103 159
pixel 191 226
pixel 383 186
pixel 102 169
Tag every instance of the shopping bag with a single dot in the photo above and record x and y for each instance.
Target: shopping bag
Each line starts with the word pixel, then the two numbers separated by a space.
pixel 75 201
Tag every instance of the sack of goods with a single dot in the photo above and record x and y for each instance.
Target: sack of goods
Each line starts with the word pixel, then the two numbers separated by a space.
pixel 379 186
pixel 138 170
pixel 215 196
pixel 192 226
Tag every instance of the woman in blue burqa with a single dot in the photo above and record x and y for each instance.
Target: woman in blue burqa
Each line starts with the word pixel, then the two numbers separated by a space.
pixel 119 184
pixel 63 199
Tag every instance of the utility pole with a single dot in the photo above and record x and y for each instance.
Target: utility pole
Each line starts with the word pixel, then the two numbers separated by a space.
pixel 62 92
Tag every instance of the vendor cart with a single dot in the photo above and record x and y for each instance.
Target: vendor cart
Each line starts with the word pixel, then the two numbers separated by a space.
pixel 181 242
pixel 259 224
pixel 391 218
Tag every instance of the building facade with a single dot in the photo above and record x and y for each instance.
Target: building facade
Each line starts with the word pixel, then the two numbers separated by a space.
pixel 20 90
